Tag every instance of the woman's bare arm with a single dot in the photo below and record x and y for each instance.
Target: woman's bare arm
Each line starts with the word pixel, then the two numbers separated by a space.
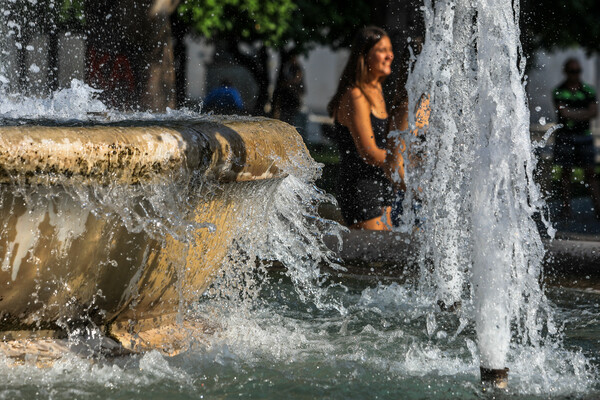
pixel 355 113
pixel 578 114
pixel 397 145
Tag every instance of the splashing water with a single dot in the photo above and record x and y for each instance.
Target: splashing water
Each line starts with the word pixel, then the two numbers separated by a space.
pixel 476 188
pixel 279 220
pixel 291 230
pixel 76 102
pixel 300 332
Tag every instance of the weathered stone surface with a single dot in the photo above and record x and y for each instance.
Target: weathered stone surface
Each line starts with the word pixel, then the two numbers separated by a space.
pixel 62 264
pixel 227 150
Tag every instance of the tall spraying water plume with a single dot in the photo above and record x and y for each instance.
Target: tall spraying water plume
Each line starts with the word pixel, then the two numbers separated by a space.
pixel 476 187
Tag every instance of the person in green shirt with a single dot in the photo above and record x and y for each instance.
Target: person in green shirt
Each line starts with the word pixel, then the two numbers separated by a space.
pixel 576 104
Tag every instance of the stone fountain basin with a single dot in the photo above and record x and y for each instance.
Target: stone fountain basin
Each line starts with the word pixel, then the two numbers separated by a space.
pixel 570 260
pixel 63 265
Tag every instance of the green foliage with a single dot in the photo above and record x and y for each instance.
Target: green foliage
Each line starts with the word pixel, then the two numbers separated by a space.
pixel 245 20
pixel 561 23
pixel 71 13
pixel 327 22
pixel 293 25
pixel 46 15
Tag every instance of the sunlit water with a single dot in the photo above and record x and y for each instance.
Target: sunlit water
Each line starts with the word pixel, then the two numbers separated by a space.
pixel 391 344
pixel 301 335
pixel 475 185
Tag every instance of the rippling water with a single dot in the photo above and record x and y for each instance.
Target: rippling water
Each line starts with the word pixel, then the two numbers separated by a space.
pixel 392 343
pixel 360 339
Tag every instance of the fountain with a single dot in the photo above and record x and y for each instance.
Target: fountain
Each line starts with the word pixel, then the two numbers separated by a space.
pixel 477 188
pixel 119 221
pixel 137 235
pixel 120 254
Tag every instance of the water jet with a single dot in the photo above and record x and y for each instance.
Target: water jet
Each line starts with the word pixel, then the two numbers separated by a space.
pixel 494 378
pixel 477 187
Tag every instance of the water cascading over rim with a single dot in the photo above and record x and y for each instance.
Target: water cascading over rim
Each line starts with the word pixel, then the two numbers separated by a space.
pixel 477 189
pixel 124 224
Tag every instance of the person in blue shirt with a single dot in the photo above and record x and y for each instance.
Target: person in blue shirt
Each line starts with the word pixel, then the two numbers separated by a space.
pixel 224 99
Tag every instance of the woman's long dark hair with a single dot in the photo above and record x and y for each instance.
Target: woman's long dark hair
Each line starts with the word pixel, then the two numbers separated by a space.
pixel 356 71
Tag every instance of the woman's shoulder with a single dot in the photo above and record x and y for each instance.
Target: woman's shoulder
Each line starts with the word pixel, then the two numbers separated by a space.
pixel 355 98
pixel 355 93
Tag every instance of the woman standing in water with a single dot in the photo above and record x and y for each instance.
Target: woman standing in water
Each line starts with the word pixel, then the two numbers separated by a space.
pixel 365 191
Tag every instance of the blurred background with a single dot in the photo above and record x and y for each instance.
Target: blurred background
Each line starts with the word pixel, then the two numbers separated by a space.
pixel 275 58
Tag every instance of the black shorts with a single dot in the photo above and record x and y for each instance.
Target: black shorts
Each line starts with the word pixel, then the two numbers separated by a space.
pixel 572 150
pixel 364 198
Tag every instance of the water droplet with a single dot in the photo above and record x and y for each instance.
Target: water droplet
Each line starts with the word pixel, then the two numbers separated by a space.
pixel 542 121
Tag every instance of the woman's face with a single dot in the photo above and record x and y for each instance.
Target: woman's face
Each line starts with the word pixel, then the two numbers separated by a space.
pixel 379 59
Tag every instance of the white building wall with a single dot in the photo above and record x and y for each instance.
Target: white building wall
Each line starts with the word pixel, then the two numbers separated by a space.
pixel 200 54
pixel 71 57
pixel 322 68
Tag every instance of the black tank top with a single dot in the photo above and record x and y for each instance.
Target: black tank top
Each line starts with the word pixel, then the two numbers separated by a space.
pixel 349 157
pixel 362 189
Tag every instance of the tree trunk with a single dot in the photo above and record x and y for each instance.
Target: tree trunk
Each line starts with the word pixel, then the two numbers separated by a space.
pixel 22 69
pixel 284 58
pixel 179 31
pixel 52 61
pixel 263 82
pixel 158 92
pixel 22 64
